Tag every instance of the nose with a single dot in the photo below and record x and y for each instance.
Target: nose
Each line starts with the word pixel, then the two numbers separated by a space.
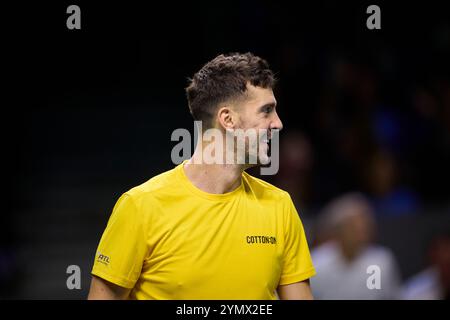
pixel 276 122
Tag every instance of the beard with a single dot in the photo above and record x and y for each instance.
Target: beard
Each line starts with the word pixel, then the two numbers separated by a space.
pixel 257 153
pixel 250 148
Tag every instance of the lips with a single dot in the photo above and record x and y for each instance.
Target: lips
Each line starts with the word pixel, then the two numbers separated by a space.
pixel 266 142
pixel 267 137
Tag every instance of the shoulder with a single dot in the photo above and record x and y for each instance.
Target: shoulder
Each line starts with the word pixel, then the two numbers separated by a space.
pixel 380 256
pixel 161 183
pixel 264 189
pixel 379 253
pixel 325 255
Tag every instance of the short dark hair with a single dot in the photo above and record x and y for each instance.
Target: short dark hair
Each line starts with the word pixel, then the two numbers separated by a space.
pixel 224 78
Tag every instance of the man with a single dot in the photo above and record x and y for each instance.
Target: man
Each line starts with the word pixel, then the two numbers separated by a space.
pixel 210 230
pixel 350 266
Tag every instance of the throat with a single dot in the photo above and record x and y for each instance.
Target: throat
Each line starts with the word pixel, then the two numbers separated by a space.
pixel 214 179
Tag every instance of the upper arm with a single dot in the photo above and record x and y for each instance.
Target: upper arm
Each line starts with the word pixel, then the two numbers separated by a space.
pixel 297 264
pixel 105 290
pixel 123 246
pixel 295 291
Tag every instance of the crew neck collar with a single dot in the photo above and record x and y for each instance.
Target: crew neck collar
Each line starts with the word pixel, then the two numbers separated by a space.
pixel 204 194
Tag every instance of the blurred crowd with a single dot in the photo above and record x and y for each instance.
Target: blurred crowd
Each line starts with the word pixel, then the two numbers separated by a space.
pixel 351 138
pixel 368 148
pixel 345 254
pixel 395 159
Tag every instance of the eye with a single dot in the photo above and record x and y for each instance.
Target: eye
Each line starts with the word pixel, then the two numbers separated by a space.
pixel 268 109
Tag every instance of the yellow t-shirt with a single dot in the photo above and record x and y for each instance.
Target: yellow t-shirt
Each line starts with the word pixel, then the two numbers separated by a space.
pixel 167 239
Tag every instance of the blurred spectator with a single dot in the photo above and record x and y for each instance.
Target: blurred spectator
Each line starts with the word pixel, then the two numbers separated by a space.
pixel 296 168
pixel 433 283
pixel 346 250
pixel 388 194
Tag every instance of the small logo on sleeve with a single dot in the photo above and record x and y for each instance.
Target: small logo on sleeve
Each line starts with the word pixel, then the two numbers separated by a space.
pixel 102 259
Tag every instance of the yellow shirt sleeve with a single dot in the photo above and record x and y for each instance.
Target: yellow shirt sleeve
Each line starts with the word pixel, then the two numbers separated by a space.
pixel 123 246
pixel 297 262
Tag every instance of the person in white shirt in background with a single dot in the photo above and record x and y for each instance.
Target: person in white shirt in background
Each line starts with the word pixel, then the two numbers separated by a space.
pixel 348 256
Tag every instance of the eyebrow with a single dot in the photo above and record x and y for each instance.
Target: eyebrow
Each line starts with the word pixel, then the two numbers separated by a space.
pixel 271 105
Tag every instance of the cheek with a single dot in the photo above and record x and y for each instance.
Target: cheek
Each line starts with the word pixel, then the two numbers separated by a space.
pixel 246 122
pixel 250 119
pixel 257 123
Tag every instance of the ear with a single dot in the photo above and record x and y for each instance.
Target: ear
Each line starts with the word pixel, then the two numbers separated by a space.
pixel 227 117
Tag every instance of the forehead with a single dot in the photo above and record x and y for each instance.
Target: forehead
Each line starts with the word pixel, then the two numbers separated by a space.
pixel 259 95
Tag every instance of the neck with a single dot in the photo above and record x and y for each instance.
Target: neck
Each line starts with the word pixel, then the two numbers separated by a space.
pixel 213 178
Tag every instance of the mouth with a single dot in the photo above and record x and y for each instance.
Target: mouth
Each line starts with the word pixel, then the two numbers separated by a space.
pixel 266 141
pixel 267 137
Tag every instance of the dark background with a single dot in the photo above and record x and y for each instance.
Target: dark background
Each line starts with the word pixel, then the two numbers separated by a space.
pixel 91 112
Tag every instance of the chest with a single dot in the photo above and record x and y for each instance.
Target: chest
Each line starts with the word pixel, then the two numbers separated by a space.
pixel 233 242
